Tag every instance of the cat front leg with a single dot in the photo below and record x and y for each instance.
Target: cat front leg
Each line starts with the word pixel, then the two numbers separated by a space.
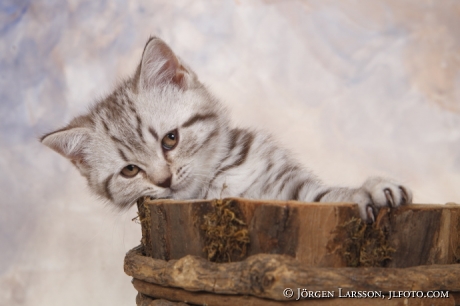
pixel 375 193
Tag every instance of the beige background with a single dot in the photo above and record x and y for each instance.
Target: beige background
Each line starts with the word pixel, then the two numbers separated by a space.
pixel 353 88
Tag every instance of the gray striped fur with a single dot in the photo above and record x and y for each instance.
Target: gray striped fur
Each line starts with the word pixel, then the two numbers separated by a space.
pixel 164 95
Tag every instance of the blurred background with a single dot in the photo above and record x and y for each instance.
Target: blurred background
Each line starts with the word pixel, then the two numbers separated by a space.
pixel 353 88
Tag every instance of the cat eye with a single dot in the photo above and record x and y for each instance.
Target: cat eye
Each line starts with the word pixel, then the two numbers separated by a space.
pixel 170 140
pixel 130 171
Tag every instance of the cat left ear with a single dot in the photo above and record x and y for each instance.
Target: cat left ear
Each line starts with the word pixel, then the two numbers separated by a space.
pixel 69 142
pixel 160 66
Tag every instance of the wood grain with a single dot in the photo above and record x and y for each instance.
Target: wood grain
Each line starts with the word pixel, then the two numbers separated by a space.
pixel 309 232
pixel 266 276
pixel 208 299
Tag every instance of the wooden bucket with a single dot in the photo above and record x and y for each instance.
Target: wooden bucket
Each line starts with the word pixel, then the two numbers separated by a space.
pixel 252 252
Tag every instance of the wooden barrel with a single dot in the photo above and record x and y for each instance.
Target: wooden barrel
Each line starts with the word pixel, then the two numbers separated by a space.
pixel 238 251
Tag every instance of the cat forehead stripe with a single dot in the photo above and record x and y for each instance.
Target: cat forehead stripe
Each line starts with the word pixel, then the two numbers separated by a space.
pixel 139 128
pixel 154 134
pixel 198 118
pixel 122 155
pixel 120 142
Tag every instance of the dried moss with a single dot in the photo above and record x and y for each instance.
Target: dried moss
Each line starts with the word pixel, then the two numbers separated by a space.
pixel 226 235
pixel 363 245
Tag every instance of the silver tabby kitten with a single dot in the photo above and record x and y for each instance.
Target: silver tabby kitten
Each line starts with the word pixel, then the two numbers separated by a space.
pixel 162 134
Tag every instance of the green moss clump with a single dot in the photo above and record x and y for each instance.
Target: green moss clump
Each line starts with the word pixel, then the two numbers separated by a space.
pixel 226 235
pixel 363 245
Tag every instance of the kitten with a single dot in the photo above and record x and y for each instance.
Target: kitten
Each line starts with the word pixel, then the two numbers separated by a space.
pixel 162 134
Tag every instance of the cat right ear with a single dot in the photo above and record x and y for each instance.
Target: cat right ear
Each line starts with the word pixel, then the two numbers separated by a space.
pixel 69 142
pixel 160 66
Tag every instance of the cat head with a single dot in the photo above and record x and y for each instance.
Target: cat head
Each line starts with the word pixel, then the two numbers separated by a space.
pixel 159 133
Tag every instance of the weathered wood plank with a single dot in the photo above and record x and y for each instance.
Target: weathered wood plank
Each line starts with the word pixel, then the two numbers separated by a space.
pixel 310 232
pixel 208 299
pixel 423 235
pixel 266 276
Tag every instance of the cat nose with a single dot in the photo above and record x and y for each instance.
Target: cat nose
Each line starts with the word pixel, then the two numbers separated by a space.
pixel 166 183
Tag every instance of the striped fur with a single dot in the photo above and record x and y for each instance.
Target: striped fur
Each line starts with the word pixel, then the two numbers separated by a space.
pixel 164 96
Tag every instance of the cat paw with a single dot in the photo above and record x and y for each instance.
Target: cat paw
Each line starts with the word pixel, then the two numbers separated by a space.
pixel 377 193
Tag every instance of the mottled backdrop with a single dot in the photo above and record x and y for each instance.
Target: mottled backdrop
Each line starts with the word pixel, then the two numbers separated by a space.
pixel 354 88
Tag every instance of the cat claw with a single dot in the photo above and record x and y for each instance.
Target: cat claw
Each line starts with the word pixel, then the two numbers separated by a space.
pixel 389 196
pixel 370 213
pixel 377 193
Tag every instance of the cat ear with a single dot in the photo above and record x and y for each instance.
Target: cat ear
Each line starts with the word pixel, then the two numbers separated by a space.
pixel 160 66
pixel 69 142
